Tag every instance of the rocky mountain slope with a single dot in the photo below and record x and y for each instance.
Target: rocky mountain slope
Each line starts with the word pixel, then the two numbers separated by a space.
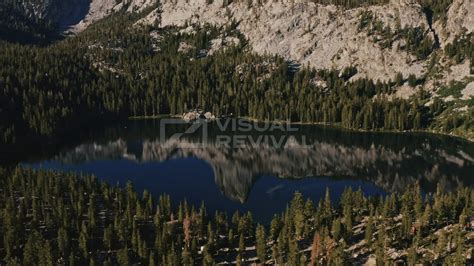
pixel 371 39
pixel 326 36
pixel 460 18
pixel 72 16
pixel 322 36
pixel 425 51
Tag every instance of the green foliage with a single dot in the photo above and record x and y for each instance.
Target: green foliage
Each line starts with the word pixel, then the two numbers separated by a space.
pixel 261 243
pixel 416 40
pixel 454 89
pixel 48 216
pixel 114 71
pixel 366 19
pixel 17 25
pixel 462 48
pixel 412 80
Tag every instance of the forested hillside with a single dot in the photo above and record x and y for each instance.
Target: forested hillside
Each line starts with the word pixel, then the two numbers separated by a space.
pixel 51 218
pixel 17 26
pixel 114 70
pixel 122 67
pixel 378 65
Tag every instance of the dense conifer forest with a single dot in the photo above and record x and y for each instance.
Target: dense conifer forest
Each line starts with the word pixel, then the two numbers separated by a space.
pixel 115 70
pixel 51 84
pixel 17 26
pixel 53 218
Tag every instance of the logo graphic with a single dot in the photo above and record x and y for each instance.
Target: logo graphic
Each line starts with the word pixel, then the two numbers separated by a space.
pixel 230 133
pixel 181 128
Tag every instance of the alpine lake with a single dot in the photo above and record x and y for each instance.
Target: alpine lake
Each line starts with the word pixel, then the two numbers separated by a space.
pixel 253 167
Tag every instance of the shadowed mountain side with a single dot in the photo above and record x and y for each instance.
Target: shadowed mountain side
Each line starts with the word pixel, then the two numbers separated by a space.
pixel 235 170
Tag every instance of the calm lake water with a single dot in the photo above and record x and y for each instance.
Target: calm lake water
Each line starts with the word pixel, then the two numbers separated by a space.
pixel 252 173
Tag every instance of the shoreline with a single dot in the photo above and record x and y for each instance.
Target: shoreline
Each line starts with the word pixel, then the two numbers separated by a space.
pixel 337 126
pixel 465 137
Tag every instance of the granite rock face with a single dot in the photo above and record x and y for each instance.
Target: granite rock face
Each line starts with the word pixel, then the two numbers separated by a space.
pixel 460 19
pixel 321 36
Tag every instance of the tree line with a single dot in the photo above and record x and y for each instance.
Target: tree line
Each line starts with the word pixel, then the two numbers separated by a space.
pixel 56 218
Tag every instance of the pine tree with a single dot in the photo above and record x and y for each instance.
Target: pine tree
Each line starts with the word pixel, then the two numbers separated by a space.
pixel 460 258
pixel 315 249
pixel 297 208
pixel 399 79
pixel 441 244
pixel 261 243
pixel 46 254
pixel 369 231
pixel 151 259
pixel 30 252
pixel 186 257
pixel 207 258
pixel 412 257
pixel 293 252
pixel 122 256
pixel 380 254
pixel 242 246
pixel 282 248
pixel 107 238
pixel 72 259
pixel 336 229
pixel 83 241
pixel 63 242
pixel 275 226
pixel 275 254
pixel 239 260
pixel 348 222
pixel 340 256
pixel 412 81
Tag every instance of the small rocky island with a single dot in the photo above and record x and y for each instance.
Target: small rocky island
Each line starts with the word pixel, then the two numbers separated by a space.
pixel 198 114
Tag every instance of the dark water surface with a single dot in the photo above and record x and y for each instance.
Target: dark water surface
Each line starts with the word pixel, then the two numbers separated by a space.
pixel 254 176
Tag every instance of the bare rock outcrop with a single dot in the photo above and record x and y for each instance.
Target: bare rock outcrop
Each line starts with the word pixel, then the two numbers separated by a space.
pixel 323 36
pixel 301 31
pixel 459 19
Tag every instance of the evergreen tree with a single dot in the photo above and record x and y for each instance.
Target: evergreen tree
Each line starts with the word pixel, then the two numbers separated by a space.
pixel 261 243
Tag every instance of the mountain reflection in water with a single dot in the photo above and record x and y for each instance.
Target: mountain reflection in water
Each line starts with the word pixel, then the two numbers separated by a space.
pixel 389 161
